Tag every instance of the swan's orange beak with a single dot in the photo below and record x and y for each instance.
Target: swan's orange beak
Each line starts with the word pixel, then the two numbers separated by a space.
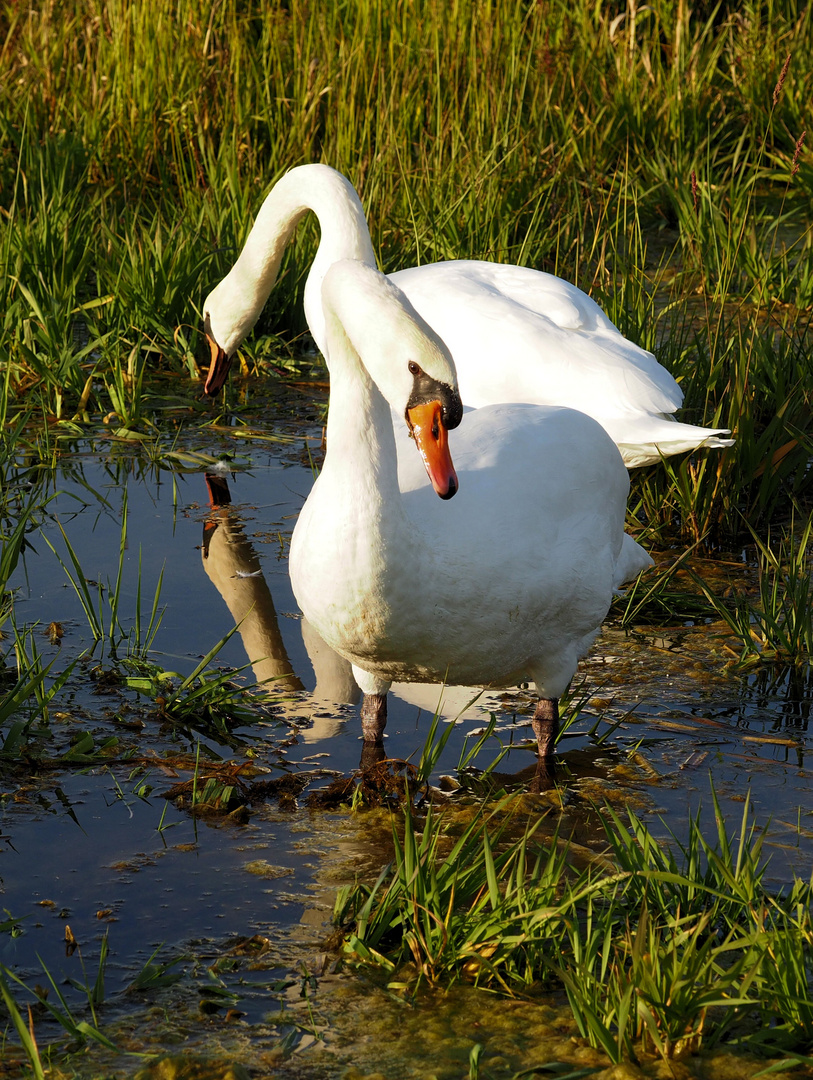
pixel 218 368
pixel 432 437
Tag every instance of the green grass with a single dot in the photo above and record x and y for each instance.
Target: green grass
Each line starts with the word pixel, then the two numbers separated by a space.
pixel 79 1032
pixel 653 156
pixel 776 625
pixel 661 948
pixel 206 700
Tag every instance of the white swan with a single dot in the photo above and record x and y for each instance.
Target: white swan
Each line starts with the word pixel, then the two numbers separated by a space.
pixel 510 580
pixel 516 334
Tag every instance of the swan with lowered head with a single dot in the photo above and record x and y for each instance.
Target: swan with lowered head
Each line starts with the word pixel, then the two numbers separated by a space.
pixel 516 334
pixel 507 581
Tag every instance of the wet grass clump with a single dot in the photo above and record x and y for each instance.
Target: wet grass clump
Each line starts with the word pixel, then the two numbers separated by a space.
pixel 662 949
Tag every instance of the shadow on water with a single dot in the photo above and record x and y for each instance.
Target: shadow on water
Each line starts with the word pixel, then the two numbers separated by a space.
pixel 244 903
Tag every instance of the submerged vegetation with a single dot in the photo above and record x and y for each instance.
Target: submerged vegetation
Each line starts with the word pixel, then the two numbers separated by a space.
pixel 658 156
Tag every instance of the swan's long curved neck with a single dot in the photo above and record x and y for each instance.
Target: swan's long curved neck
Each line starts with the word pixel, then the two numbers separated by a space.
pixel 361 458
pixel 241 296
pixel 344 235
pixel 356 508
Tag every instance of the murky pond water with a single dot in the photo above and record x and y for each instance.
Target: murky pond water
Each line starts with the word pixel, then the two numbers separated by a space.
pixel 94 846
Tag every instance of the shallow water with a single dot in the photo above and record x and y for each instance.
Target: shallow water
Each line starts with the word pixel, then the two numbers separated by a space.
pixel 100 850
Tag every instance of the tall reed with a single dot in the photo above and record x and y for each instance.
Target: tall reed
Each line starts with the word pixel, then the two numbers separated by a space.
pixel 652 154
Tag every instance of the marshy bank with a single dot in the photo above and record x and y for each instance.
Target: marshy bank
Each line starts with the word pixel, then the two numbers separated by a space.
pixel 192 833
pixel 656 157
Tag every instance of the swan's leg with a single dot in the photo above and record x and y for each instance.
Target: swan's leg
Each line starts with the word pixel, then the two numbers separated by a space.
pixel 546 725
pixel 373 706
pixel 374 718
pixel 371 755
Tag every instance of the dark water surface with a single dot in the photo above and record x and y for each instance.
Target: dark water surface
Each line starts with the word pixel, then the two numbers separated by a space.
pixel 97 850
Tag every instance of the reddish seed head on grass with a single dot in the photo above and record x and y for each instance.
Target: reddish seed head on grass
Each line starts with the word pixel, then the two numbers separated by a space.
pixel 781 81
pixel 794 168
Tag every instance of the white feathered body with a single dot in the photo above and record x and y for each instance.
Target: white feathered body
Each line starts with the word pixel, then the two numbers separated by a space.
pixel 508 581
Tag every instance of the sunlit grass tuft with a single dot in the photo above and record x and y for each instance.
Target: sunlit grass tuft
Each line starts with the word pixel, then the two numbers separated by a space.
pixel 776 626
pixel 665 948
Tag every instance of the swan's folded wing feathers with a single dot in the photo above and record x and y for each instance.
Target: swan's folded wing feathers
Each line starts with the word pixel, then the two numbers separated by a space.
pixel 514 327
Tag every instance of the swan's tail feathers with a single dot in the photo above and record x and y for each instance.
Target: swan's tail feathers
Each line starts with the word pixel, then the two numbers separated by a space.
pixel 713 443
pixel 645 440
pixel 632 559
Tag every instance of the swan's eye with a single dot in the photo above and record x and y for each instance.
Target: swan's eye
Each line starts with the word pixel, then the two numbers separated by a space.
pixel 413 368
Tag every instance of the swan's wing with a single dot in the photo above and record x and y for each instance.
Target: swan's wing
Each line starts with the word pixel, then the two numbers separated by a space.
pixel 554 469
pixel 522 335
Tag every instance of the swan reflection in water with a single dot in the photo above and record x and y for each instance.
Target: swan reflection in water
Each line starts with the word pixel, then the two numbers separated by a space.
pixel 233 566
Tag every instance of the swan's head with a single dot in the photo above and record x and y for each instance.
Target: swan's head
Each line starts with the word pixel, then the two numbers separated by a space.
pixel 432 410
pixel 369 319
pixel 227 319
